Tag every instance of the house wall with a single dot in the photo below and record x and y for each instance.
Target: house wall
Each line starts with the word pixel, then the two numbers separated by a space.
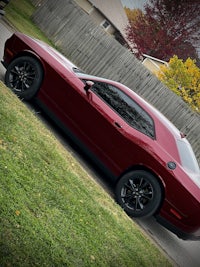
pixel 85 5
pixel 94 51
pixel 94 14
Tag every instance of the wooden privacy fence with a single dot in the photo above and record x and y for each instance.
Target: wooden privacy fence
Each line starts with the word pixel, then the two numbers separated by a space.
pixel 93 50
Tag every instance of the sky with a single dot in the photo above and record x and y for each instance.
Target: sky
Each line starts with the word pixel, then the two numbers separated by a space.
pixel 134 3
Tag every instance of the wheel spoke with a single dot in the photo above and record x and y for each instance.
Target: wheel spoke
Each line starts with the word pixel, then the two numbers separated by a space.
pixel 139 203
pixel 143 183
pixel 130 201
pixel 132 184
pixel 30 72
pixel 17 85
pixel 30 77
pixel 15 71
pixel 15 79
pixel 23 86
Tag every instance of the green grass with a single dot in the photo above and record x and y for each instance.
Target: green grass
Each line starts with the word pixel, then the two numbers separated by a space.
pixel 52 213
pixel 18 14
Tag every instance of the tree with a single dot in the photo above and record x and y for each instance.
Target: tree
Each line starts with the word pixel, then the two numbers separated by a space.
pixel 133 14
pixel 183 78
pixel 166 28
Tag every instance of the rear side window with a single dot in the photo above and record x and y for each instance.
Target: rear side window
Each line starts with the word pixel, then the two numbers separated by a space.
pixel 126 107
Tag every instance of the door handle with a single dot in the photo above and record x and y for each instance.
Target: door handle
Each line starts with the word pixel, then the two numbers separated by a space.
pixel 118 125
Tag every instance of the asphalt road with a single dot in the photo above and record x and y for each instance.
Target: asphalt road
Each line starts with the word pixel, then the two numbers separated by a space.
pixel 183 253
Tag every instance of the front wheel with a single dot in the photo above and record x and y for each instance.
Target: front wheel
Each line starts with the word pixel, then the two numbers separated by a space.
pixel 24 76
pixel 139 193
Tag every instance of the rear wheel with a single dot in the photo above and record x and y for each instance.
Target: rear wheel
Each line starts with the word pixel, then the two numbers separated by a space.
pixel 24 76
pixel 139 193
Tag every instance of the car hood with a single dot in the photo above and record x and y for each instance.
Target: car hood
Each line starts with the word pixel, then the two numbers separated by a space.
pixel 36 44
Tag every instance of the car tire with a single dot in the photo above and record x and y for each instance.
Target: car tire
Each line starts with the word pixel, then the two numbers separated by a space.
pixel 139 193
pixel 24 76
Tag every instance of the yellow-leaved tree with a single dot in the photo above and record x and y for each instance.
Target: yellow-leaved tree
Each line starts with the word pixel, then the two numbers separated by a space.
pixel 183 78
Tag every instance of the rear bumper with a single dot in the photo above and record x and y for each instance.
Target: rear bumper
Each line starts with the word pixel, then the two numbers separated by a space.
pixel 181 234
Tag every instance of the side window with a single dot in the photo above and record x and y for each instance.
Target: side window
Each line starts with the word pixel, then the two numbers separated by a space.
pixel 126 107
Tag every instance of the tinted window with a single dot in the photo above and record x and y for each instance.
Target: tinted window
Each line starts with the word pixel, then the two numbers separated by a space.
pixel 126 107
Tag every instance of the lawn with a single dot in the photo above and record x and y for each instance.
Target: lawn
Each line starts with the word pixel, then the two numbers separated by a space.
pixel 18 14
pixel 52 212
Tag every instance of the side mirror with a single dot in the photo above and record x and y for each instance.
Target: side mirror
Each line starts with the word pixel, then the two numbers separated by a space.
pixel 88 85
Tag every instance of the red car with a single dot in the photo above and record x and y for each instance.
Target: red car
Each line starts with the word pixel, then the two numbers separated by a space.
pixel 150 161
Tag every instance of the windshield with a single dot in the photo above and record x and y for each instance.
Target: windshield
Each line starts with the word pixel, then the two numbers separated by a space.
pixel 187 156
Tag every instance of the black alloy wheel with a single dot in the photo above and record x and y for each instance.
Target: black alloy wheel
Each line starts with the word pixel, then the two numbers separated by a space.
pixel 24 76
pixel 139 193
